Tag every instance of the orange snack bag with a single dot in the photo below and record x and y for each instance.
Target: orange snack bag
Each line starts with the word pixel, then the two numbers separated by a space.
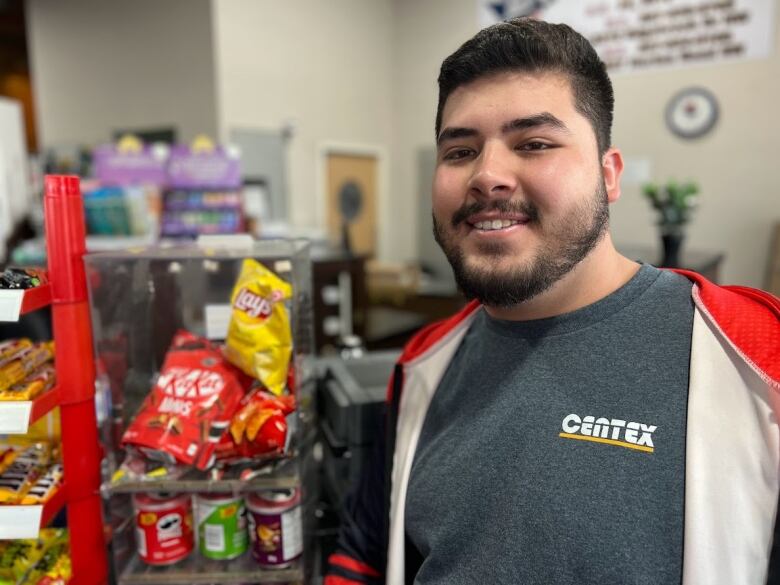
pixel 259 340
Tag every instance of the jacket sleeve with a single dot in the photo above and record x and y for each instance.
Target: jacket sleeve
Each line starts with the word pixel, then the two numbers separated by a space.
pixel 361 549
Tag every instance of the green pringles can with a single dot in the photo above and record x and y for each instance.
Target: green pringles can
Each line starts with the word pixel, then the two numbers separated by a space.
pixel 221 520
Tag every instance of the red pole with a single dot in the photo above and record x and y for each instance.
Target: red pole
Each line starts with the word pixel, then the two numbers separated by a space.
pixel 81 453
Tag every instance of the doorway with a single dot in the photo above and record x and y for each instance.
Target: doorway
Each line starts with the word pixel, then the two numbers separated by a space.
pixel 351 201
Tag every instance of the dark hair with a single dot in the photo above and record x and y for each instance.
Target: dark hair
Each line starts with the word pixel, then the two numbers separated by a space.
pixel 524 44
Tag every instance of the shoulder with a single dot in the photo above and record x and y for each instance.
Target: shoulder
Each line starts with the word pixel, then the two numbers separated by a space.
pixel 431 334
pixel 748 317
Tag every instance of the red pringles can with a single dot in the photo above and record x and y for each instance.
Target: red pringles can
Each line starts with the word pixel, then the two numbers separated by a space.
pixel 275 526
pixel 163 527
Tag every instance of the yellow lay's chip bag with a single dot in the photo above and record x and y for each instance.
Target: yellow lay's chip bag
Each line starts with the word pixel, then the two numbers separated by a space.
pixel 259 340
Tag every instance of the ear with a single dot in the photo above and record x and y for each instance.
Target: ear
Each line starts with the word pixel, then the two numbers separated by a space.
pixel 612 169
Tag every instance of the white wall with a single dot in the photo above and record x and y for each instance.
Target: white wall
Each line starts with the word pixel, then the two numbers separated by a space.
pixel 325 66
pixel 425 33
pixel 100 65
pixel 736 165
pixel 364 72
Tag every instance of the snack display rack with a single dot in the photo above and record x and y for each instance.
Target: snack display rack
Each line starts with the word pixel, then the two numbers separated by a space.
pixel 140 300
pixel 16 417
pixel 75 390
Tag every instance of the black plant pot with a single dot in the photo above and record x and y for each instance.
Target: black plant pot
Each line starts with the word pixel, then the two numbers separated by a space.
pixel 672 246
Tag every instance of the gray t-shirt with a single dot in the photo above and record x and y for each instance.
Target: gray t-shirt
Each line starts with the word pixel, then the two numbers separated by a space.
pixel 554 450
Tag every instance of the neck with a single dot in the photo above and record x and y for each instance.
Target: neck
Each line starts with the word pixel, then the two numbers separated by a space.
pixel 600 274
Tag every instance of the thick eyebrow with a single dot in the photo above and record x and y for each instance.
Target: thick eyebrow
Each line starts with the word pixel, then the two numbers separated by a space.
pixel 542 119
pixel 455 133
pixel 535 121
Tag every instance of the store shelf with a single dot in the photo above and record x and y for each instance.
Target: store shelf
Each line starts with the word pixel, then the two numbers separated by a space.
pixel 53 506
pixel 17 416
pixel 26 521
pixel 104 243
pixel 14 303
pixel 196 570
pixel 275 476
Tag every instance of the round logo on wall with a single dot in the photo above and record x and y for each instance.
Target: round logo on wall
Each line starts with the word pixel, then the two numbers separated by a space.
pixel 692 112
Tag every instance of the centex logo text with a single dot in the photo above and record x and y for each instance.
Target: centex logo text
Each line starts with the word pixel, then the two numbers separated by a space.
pixel 611 431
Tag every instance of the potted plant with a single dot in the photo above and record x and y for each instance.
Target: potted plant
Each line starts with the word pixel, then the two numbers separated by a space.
pixel 675 203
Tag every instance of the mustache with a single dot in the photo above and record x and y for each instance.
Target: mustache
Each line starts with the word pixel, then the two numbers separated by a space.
pixel 501 205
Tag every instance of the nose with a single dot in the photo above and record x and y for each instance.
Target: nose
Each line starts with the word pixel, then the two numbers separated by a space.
pixel 494 173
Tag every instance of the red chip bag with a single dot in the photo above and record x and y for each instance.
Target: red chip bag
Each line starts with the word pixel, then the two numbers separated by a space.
pixel 258 428
pixel 190 405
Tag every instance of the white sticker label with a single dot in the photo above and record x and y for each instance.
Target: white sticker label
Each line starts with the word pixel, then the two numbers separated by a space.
pixel 15 417
pixel 10 304
pixel 214 536
pixel 217 321
pixel 20 521
pixel 140 538
pixel 292 537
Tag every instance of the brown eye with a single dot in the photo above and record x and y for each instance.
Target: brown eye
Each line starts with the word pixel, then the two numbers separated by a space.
pixel 457 154
pixel 531 146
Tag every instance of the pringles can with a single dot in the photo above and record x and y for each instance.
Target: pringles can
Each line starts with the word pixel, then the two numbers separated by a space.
pixel 221 521
pixel 163 527
pixel 275 527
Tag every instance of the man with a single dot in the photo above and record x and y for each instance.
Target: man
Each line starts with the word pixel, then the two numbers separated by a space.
pixel 586 419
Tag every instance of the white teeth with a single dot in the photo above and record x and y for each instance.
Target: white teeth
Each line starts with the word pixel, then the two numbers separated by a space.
pixel 496 224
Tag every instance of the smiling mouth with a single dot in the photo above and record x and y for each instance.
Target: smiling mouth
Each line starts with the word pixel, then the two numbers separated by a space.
pixel 492 225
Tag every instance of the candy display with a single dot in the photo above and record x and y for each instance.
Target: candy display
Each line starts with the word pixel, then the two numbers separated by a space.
pixel 194 200
pixel 192 223
pixel 221 521
pixel 54 566
pixel 45 486
pixel 190 406
pixel 275 527
pixel 21 364
pixel 12 347
pixel 36 383
pixel 21 278
pixel 25 561
pixel 259 339
pixel 121 210
pixel 190 432
pixel 7 455
pixel 136 467
pixel 26 476
pixel 163 525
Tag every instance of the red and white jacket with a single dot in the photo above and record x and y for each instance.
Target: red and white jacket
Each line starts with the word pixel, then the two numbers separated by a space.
pixel 732 447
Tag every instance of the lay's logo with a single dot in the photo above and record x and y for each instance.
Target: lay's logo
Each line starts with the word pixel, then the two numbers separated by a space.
pixel 254 305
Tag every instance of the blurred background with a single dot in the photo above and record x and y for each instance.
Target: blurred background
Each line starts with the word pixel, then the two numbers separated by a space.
pixel 329 107
pixel 313 119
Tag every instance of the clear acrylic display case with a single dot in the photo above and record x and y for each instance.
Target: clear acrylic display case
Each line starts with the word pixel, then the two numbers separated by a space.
pixel 139 299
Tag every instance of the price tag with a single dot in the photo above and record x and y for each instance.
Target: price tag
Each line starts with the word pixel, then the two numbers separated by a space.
pixel 10 304
pixel 20 521
pixel 15 417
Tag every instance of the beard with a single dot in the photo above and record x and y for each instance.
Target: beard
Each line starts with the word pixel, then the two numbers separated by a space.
pixel 563 243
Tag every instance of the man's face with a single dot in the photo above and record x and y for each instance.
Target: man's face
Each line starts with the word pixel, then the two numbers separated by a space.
pixel 518 195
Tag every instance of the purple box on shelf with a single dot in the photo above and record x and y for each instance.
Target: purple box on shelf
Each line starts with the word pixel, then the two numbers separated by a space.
pixel 115 166
pixel 216 169
pixel 193 223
